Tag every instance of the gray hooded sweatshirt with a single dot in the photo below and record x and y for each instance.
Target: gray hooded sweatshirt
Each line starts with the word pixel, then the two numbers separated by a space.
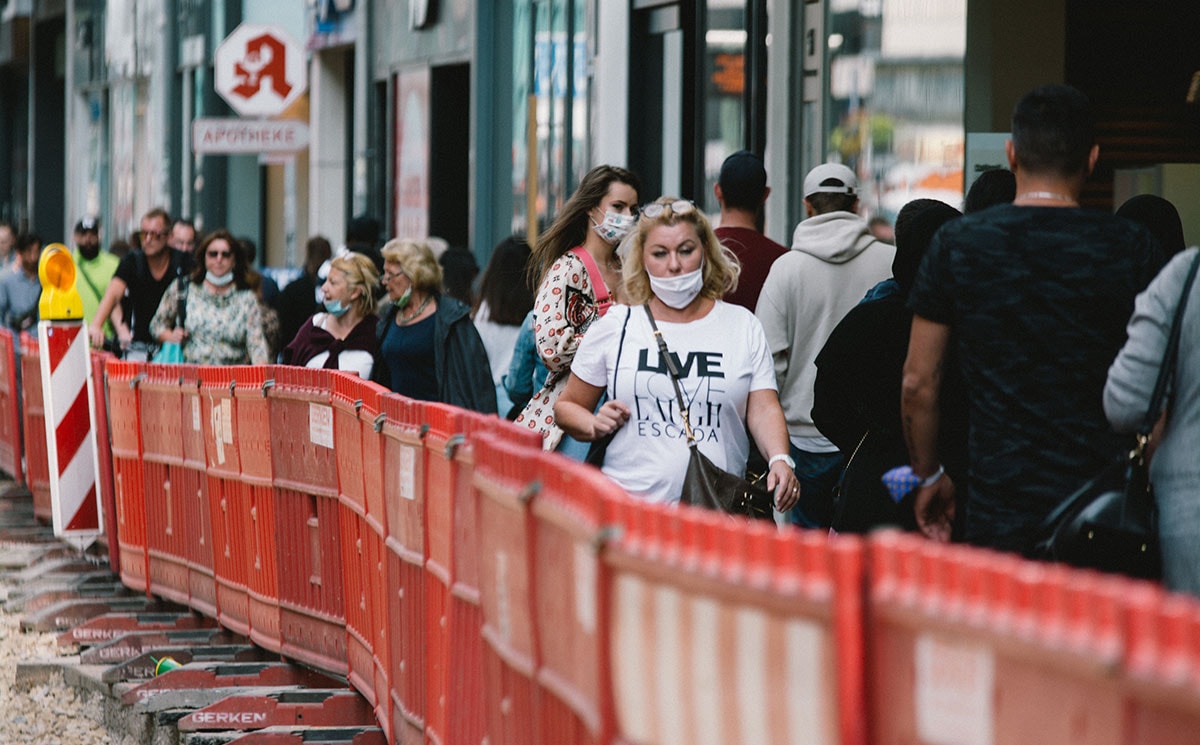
pixel 834 261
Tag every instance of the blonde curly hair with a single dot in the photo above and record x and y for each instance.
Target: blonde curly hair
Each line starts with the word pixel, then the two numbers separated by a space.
pixel 417 261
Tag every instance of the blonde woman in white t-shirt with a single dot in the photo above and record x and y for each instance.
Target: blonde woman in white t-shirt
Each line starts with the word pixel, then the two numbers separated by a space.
pixel 677 268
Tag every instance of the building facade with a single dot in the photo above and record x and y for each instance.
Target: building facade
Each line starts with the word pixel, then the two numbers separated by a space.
pixel 473 120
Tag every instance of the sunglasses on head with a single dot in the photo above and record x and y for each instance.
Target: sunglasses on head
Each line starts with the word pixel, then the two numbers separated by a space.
pixel 678 207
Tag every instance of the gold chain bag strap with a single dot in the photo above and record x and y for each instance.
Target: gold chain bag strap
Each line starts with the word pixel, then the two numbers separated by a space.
pixel 705 484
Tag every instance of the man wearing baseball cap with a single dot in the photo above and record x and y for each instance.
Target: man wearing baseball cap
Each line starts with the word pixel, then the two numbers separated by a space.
pixel 741 190
pixel 94 266
pixel 833 262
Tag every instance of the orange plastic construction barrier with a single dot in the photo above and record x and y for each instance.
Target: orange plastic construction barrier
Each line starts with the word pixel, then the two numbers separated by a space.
pixel 361 567
pixel 37 457
pixel 507 481
pixel 1162 668
pixel 571 531
pixel 167 489
pixel 312 610
pixel 728 631
pixel 103 450
pixel 193 489
pixel 252 412
pixel 228 510
pixel 474 588
pixel 445 436
pixel 404 488
pixel 126 433
pixel 974 646
pixel 371 419
pixel 10 409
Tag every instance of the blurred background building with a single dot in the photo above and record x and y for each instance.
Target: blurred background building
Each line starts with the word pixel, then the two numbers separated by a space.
pixel 470 120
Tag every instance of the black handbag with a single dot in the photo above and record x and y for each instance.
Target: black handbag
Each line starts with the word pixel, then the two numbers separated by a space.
pixel 1111 523
pixel 704 483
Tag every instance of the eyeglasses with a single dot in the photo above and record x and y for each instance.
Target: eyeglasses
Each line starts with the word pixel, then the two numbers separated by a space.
pixel 220 254
pixel 678 207
pixel 387 277
pixel 156 234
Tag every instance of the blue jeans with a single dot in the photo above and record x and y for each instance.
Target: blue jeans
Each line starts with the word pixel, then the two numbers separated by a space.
pixel 818 474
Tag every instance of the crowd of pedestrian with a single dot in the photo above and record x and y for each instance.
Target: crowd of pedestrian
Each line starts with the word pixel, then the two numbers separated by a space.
pixel 957 374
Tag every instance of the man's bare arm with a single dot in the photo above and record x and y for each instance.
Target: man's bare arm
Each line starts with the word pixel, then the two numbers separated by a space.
pixel 110 308
pixel 920 410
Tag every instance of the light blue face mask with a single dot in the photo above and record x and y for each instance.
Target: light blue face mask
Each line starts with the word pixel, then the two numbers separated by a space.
pixel 335 308
pixel 219 280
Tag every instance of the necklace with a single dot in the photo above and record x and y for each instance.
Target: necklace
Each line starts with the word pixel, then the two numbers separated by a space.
pixel 406 318
pixel 1045 195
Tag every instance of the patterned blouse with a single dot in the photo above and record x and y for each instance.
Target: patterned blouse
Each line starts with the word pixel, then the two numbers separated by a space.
pixel 564 309
pixel 222 329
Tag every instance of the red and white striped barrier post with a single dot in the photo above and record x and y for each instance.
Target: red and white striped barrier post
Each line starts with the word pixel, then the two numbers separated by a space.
pixel 68 401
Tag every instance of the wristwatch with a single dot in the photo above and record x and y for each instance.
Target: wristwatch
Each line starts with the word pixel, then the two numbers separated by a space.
pixel 783 457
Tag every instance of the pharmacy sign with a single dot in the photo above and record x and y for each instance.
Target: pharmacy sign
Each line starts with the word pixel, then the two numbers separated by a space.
pixel 260 70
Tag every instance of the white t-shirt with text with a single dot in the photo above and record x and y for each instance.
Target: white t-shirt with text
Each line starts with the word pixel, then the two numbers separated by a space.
pixel 721 357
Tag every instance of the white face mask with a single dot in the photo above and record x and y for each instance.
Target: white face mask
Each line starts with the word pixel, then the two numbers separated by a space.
pixel 678 291
pixel 220 280
pixel 615 227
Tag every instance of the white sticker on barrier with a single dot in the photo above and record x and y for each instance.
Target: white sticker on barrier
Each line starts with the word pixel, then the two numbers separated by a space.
pixel 214 415
pixel 227 420
pixel 320 425
pixel 195 413
pixel 955 692
pixel 408 467
pixel 585 589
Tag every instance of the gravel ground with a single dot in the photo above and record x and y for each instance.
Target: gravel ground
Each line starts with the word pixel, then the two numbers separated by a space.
pixel 45 714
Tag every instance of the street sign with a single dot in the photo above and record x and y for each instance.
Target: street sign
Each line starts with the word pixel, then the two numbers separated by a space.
pixel 231 135
pixel 259 70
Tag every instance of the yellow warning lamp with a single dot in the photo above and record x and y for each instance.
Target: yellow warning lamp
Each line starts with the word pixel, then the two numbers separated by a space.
pixel 60 300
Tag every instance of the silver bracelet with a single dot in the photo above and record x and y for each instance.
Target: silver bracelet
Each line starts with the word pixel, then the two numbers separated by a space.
pixel 933 478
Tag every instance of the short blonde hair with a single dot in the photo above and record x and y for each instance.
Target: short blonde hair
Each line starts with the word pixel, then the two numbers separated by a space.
pixel 721 266
pixel 417 262
pixel 360 274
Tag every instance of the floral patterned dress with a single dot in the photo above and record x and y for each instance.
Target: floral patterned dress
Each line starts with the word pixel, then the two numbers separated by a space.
pixel 222 329
pixel 562 312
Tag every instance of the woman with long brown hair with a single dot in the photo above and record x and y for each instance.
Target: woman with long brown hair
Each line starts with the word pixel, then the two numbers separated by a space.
pixel 578 275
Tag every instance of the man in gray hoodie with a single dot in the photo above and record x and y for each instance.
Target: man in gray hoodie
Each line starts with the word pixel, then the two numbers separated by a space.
pixel 833 262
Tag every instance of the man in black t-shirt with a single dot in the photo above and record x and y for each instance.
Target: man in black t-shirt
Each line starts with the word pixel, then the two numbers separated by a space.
pixel 1035 295
pixel 137 287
